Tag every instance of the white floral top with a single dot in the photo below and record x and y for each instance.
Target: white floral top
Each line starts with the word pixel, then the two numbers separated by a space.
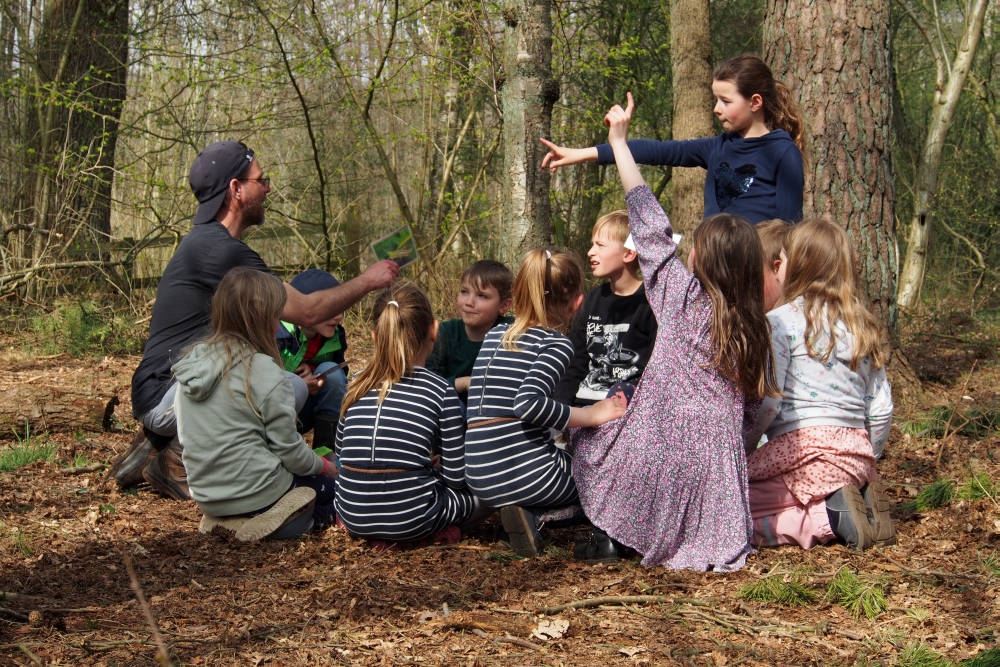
pixel 822 394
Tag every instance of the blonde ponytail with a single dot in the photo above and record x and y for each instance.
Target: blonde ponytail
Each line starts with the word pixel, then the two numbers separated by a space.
pixel 403 318
pixel 547 282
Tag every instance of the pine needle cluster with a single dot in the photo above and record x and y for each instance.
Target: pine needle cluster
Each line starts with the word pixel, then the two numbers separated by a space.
pixel 783 589
pixel 861 597
pixel 931 497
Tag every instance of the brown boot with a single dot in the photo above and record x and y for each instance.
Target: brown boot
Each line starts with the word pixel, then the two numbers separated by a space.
pixel 127 468
pixel 166 474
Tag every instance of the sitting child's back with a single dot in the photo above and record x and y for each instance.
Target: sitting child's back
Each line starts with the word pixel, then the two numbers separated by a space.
pixel 397 417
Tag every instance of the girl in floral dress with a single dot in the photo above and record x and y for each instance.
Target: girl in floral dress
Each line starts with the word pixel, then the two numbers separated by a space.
pixel 669 479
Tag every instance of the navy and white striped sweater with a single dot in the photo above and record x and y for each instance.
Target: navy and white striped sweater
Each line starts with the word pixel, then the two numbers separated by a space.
pixel 515 462
pixel 420 416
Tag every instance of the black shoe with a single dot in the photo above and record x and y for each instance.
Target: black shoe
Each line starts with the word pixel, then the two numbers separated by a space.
pixel 849 518
pixel 877 503
pixel 127 468
pixel 520 526
pixel 600 549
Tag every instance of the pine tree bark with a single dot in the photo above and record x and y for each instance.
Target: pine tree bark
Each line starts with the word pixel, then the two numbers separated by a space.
pixel 527 96
pixel 835 56
pixel 691 60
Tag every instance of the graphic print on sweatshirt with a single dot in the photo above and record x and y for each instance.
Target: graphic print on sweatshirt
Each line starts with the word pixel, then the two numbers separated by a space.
pixel 731 183
pixel 610 362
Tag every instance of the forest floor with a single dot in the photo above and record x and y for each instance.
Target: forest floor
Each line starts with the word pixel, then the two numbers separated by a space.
pixel 66 541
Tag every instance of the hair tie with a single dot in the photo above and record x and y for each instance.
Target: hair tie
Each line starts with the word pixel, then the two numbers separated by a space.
pixel 548 254
pixel 393 303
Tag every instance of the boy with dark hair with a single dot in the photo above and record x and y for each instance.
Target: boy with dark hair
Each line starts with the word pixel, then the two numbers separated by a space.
pixel 311 351
pixel 614 330
pixel 483 298
pixel 772 235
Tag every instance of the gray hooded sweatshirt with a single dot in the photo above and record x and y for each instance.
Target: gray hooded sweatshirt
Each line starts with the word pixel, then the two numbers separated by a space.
pixel 236 460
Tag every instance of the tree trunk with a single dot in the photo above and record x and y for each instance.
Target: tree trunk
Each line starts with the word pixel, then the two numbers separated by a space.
pixel 945 102
pixel 691 56
pixel 527 96
pixel 835 55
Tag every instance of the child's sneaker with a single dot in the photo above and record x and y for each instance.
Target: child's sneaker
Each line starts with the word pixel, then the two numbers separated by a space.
pixel 230 523
pixel 877 502
pixel 849 518
pixel 522 531
pixel 292 512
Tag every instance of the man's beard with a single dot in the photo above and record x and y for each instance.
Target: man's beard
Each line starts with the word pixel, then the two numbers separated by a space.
pixel 252 213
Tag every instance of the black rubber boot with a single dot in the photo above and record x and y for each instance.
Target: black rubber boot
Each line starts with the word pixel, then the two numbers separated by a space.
pixel 849 518
pixel 127 468
pixel 324 433
pixel 600 549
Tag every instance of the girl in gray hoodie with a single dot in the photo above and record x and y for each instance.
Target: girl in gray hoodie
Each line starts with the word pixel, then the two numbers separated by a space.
pixel 236 417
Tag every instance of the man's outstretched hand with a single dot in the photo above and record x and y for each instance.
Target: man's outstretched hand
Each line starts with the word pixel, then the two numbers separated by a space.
pixel 381 274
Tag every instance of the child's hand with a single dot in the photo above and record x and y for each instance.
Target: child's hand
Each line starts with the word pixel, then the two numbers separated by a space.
pixel 607 410
pixel 560 156
pixel 436 462
pixel 313 383
pixel 462 384
pixel 618 119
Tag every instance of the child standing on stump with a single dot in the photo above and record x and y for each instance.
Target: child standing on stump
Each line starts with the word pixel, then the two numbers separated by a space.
pixel 248 468
pixel 754 167
pixel 814 480
pixel 511 459
pixel 614 330
pixel 311 351
pixel 669 479
pixel 397 419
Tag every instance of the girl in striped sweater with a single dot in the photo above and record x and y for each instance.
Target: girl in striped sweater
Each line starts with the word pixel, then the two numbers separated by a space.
pixel 511 459
pixel 400 435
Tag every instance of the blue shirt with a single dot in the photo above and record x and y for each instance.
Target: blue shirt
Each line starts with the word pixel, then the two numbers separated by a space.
pixel 759 178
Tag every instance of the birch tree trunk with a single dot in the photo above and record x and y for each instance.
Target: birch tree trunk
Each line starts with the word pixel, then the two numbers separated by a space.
pixel 946 96
pixel 527 96
pixel 834 54
pixel 691 56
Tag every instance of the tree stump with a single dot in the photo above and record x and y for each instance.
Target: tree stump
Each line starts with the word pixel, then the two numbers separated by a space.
pixel 51 408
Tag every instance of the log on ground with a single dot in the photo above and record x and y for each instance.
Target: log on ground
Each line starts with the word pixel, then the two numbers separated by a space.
pixel 45 407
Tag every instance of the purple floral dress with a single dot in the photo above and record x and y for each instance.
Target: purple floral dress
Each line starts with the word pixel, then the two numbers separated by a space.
pixel 669 479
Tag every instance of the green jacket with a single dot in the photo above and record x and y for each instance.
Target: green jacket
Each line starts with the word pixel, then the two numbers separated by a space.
pixel 292 343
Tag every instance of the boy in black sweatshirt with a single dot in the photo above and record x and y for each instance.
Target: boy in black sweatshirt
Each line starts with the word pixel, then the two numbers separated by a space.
pixel 614 330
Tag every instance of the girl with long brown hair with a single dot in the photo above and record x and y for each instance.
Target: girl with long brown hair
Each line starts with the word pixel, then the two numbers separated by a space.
pixel 511 458
pixel 396 420
pixel 248 468
pixel 755 167
pixel 814 480
pixel 669 479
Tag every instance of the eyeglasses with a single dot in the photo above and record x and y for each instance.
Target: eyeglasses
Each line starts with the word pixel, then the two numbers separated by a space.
pixel 264 180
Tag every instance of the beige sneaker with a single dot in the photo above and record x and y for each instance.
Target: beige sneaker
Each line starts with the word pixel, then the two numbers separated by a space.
pixel 230 523
pixel 291 506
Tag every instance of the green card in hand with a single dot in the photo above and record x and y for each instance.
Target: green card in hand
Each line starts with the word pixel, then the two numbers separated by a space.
pixel 398 246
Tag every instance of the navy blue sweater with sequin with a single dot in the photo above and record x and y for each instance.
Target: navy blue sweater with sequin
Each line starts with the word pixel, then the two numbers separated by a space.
pixel 759 179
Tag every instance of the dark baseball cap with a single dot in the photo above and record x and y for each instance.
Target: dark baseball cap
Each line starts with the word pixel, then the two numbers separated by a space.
pixel 313 280
pixel 213 169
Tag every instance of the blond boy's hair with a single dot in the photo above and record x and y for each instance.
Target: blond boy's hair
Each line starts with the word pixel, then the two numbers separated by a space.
pixel 772 235
pixel 614 225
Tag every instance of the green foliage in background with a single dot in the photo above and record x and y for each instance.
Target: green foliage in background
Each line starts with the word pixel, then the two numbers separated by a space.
pixel 84 329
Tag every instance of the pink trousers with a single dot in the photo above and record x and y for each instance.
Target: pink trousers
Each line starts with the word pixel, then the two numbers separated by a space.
pixel 779 518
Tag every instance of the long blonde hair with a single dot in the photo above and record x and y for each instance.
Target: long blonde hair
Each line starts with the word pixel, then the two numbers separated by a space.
pixel 822 269
pixel 245 307
pixel 548 281
pixel 728 261
pixel 403 318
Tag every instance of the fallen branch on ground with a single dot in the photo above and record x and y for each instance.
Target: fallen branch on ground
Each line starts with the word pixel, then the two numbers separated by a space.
pixel 80 470
pixel 14 614
pixel 518 642
pixel 471 621
pixel 162 656
pixel 612 599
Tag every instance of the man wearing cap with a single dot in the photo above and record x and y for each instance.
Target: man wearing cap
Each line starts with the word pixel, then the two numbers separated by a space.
pixel 231 190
